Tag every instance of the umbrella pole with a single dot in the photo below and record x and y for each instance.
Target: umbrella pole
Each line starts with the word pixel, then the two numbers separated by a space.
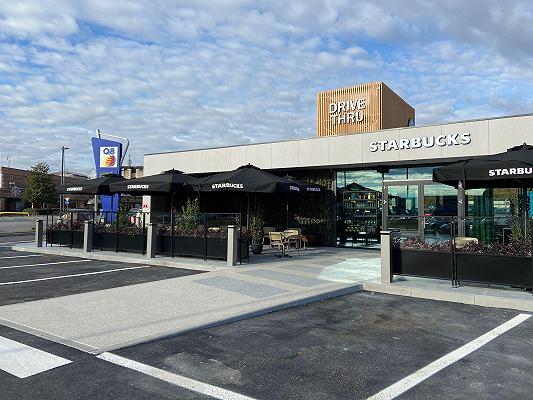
pixel 248 210
pixel 172 224
pixel 287 214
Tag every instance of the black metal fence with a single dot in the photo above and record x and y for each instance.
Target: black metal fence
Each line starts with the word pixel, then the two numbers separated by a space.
pixel 200 235
pixel 496 251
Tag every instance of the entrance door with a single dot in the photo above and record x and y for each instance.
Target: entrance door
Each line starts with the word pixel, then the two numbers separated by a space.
pixel 401 202
pixel 419 208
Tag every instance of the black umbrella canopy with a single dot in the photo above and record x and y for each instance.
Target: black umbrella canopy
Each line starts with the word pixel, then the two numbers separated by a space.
pixel 513 168
pixel 247 179
pixel 306 187
pixel 92 186
pixel 170 181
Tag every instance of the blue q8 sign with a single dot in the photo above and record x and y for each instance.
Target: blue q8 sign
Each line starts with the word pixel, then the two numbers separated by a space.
pixel 107 156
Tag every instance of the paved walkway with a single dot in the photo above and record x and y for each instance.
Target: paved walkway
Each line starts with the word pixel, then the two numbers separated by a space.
pixel 109 319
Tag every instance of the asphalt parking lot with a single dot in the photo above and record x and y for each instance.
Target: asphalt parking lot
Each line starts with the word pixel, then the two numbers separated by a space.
pixel 29 276
pixel 350 347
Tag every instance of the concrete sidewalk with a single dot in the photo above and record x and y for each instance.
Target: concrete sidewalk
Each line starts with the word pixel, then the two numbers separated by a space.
pixel 114 318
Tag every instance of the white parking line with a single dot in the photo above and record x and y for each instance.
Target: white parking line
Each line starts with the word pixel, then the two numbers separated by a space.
pixel 23 361
pixel 72 276
pixel 422 374
pixel 30 255
pixel 42 264
pixel 178 380
pixel 11 243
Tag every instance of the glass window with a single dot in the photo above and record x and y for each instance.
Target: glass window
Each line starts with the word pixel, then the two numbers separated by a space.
pixel 396 173
pixel 440 200
pixel 420 173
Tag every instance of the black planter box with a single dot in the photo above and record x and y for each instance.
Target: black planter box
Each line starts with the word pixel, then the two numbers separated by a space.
pixel 217 248
pixel 135 243
pixel 64 238
pixel 131 243
pixel 183 246
pixel 427 264
pixel 244 250
pixel 105 240
pixel 494 269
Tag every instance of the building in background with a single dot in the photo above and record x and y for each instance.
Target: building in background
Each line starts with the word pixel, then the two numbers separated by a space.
pixel 132 171
pixel 13 182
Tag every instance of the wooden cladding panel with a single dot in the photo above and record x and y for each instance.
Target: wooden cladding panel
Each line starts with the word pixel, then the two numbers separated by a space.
pixel 395 111
pixel 384 109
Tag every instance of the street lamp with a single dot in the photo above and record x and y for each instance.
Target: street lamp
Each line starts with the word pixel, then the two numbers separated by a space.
pixel 63 148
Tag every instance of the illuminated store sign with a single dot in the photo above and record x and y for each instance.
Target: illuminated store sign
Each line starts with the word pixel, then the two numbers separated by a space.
pixel 452 139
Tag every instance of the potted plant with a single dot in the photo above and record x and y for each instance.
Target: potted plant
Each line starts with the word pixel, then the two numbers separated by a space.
pixel 256 231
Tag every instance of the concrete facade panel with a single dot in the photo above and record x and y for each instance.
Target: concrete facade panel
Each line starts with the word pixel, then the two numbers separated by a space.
pixel 312 152
pixel 509 132
pixel 285 154
pixel 345 149
pixel 259 155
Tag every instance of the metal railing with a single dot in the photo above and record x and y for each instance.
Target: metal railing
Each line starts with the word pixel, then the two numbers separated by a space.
pixel 198 235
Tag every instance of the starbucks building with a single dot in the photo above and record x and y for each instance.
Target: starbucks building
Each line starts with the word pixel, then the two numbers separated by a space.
pixel 376 162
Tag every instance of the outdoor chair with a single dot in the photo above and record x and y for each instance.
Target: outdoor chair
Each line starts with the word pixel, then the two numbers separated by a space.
pixel 266 232
pixel 462 241
pixel 294 235
pixel 277 240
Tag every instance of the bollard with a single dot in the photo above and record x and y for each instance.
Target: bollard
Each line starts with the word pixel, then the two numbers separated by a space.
pixel 151 240
pixel 39 233
pixel 88 235
pixel 233 245
pixel 386 254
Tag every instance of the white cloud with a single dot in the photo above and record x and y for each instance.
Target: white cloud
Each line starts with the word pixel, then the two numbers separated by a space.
pixel 174 75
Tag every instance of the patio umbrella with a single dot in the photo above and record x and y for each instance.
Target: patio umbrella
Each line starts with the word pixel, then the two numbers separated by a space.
pixel 92 186
pixel 305 187
pixel 247 179
pixel 167 182
pixel 513 168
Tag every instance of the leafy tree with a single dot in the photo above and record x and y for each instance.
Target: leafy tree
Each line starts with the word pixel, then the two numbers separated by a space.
pixel 40 187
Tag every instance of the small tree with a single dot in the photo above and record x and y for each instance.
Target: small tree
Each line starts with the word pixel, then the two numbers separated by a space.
pixel 256 224
pixel 40 187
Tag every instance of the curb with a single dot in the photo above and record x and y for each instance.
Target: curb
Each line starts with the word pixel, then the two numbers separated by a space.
pixel 484 300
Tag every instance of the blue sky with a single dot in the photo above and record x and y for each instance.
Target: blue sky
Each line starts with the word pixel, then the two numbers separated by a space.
pixel 173 75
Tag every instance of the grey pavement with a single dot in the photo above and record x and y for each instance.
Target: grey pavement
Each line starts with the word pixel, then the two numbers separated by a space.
pixel 10 225
pixel 109 319
pixel 352 347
